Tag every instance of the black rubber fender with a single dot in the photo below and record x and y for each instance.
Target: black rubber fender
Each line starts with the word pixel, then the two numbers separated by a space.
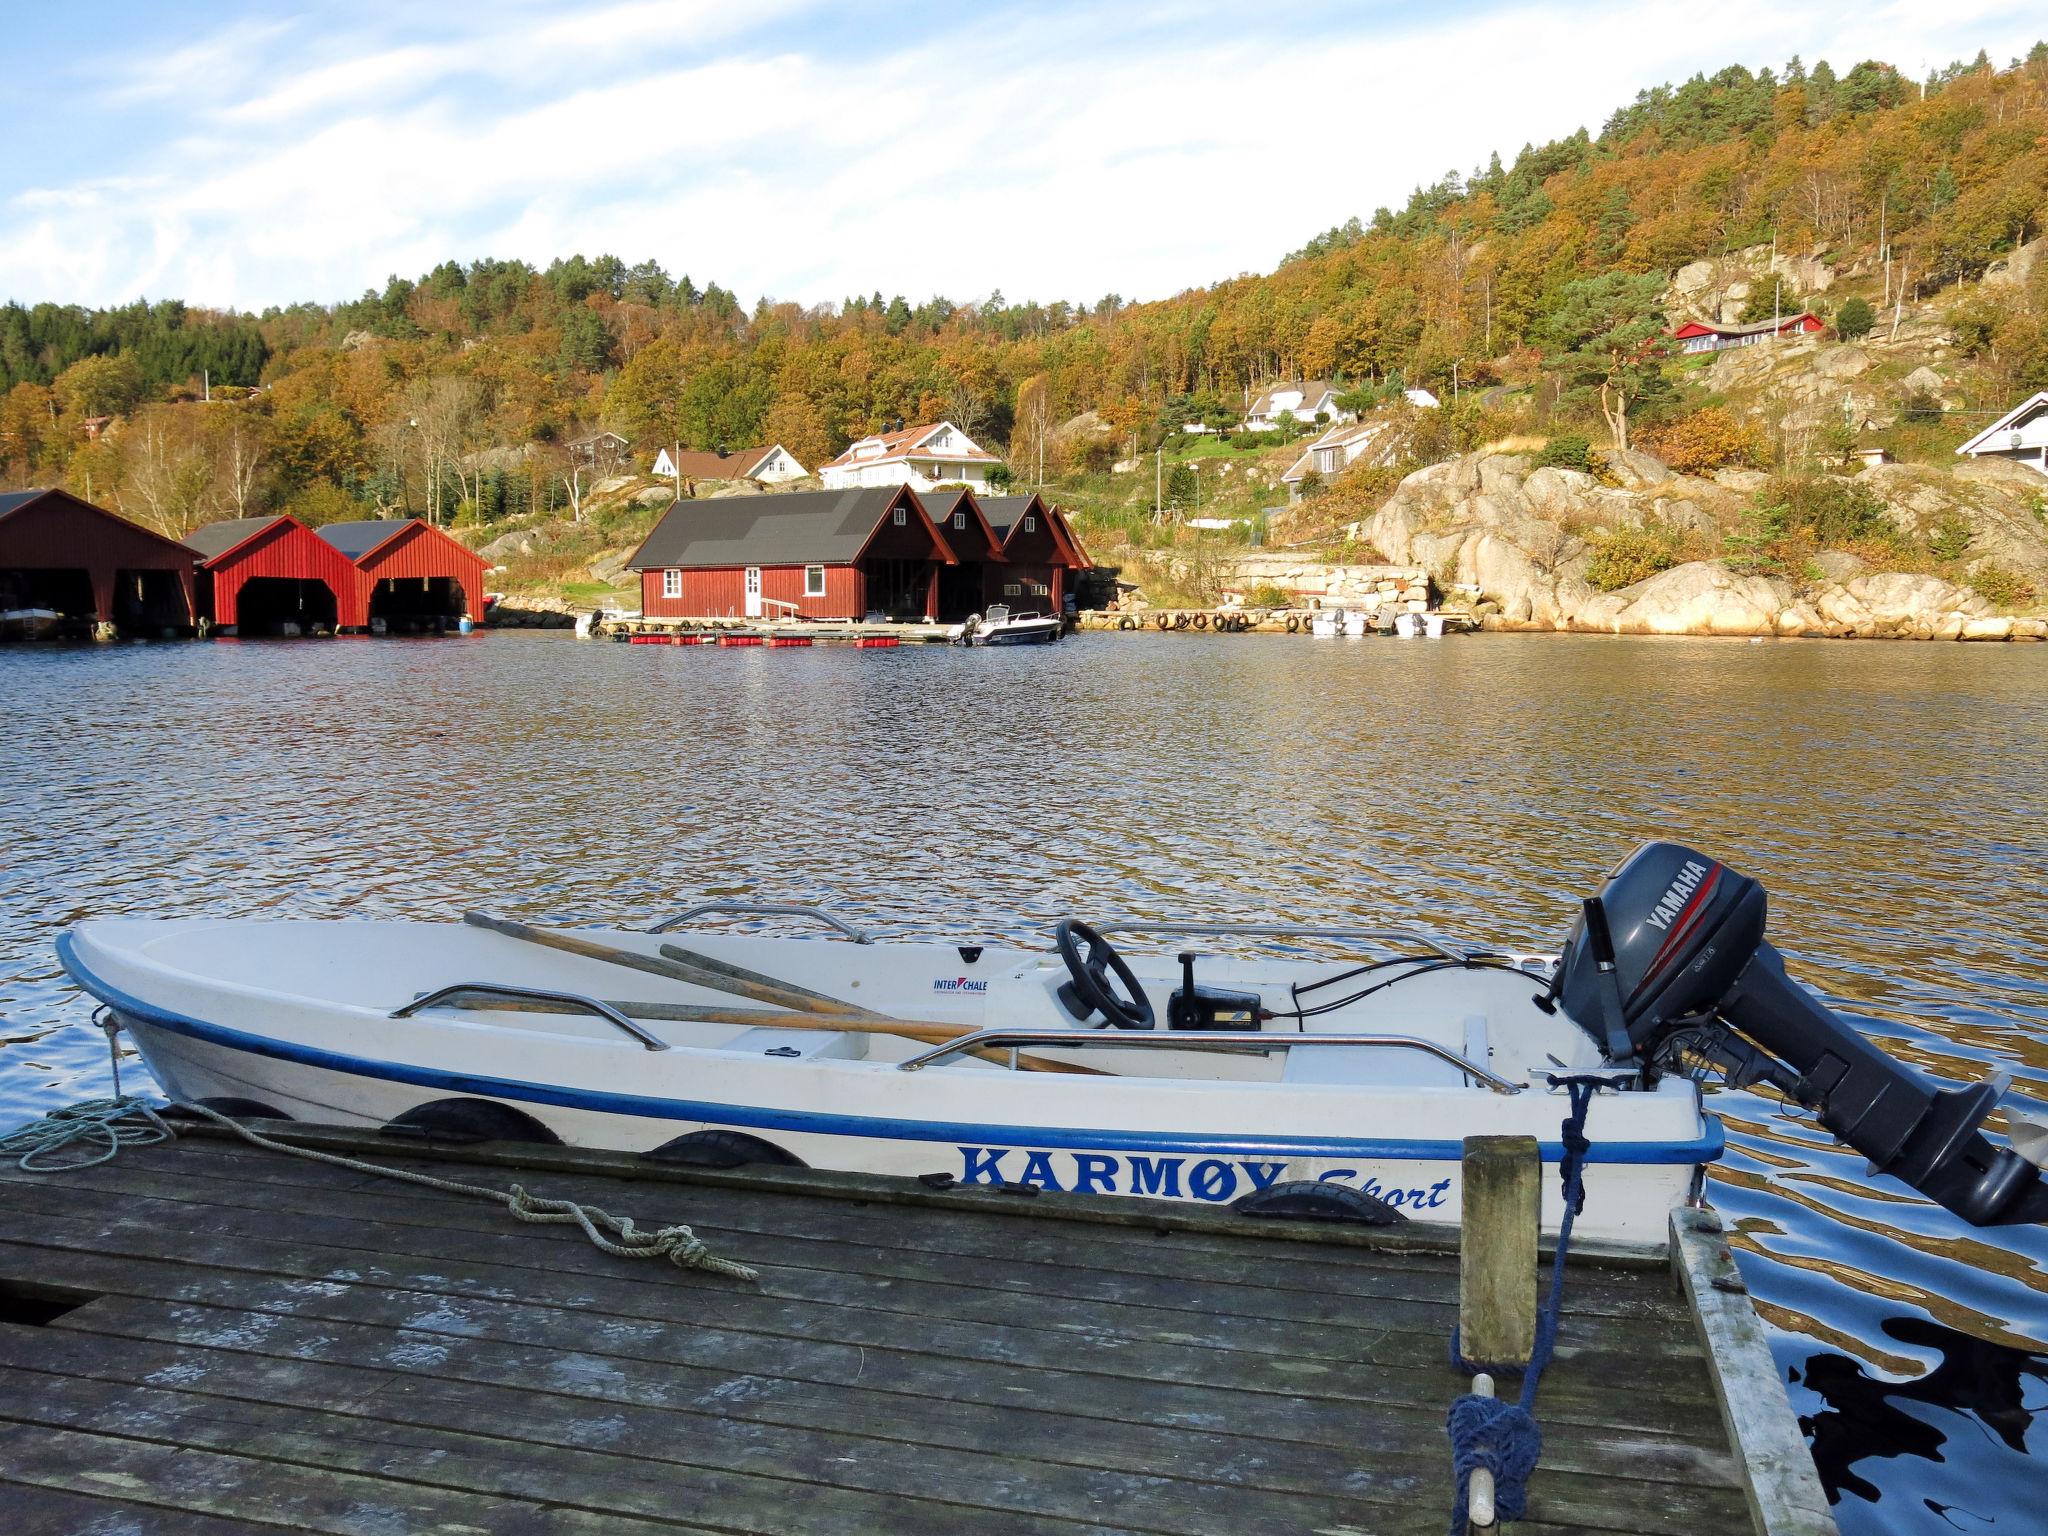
pixel 1293 624
pixel 1200 621
pixel 1180 621
pixel 1315 1200
pixel 722 1149
pixel 1161 620
pixel 470 1120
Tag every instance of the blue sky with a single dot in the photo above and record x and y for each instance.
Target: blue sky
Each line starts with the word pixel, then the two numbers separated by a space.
pixel 245 155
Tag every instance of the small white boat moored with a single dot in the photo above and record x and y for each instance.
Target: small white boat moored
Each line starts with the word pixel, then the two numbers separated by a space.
pixel 1344 1082
pixel 999 626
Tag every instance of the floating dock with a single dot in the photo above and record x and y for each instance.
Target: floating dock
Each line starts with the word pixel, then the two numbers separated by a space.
pixel 209 1337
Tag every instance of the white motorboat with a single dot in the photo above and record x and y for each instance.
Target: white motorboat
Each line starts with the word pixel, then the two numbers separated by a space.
pixel 999 626
pixel 1412 626
pixel 1327 623
pixel 1230 1078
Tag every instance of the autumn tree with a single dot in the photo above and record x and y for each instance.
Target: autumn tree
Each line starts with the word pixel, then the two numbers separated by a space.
pixel 98 386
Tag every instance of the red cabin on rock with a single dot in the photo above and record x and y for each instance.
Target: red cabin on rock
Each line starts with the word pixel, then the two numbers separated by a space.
pixel 810 554
pixel 1707 336
pixel 259 574
pixel 64 554
pixel 410 572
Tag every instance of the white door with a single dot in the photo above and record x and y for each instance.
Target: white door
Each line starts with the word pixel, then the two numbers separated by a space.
pixel 753 591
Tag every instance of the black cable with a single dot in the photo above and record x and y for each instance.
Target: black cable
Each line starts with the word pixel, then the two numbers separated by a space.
pixel 1467 963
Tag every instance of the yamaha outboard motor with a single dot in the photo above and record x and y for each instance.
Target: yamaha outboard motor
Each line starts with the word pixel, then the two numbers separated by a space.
pixel 1670 959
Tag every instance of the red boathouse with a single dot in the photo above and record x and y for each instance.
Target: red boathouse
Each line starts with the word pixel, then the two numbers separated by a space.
pixel 258 574
pixel 975 582
pixel 1038 553
pixel 811 554
pixel 60 552
pixel 410 572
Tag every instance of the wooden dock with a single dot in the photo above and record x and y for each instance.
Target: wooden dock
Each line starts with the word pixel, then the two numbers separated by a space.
pixel 208 1337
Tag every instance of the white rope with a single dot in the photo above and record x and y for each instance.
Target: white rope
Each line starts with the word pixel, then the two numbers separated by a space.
pixel 105 1126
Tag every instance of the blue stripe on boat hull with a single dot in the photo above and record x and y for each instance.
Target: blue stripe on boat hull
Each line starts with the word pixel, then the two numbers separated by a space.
pixel 1705 1148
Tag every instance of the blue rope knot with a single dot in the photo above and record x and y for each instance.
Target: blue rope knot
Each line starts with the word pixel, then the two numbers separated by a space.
pixel 1503 1437
pixel 1499 1437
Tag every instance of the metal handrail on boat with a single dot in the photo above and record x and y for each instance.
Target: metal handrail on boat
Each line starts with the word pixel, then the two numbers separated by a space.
pixel 572 1000
pixel 1284 931
pixel 1197 1040
pixel 764 909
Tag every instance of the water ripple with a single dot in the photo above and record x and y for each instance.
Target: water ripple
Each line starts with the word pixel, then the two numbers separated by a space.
pixel 1890 797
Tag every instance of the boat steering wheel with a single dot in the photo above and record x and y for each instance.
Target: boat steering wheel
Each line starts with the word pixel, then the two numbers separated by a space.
pixel 1091 976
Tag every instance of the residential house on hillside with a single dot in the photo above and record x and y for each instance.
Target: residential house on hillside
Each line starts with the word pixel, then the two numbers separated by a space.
pixel 1711 336
pixel 2021 435
pixel 769 466
pixel 840 554
pixel 1331 454
pixel 1303 400
pixel 603 451
pixel 919 457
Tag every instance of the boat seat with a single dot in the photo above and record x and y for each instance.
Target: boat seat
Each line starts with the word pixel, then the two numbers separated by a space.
pixel 1387 1066
pixel 801 1044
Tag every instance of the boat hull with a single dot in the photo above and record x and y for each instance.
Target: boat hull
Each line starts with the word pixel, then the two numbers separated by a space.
pixel 833 1099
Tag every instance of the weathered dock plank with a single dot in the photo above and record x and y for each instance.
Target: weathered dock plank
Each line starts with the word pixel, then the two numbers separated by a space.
pixel 260 1342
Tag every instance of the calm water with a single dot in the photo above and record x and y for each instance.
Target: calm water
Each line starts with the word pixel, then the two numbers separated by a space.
pixel 1892 797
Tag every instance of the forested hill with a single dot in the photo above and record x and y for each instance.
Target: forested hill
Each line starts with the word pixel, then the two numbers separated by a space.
pixel 1470 276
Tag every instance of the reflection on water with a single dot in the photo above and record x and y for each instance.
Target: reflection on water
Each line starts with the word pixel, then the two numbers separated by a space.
pixel 1891 797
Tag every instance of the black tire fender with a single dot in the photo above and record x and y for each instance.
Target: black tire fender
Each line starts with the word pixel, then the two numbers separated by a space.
pixel 1315 1200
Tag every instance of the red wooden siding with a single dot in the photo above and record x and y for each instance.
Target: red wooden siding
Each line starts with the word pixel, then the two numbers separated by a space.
pixel 287 548
pixel 425 551
pixel 721 593
pixel 58 532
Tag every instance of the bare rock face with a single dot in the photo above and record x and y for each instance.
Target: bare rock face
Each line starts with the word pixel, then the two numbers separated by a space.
pixel 1843 362
pixel 1923 380
pixel 1701 597
pixel 2014 270
pixel 1635 470
pixel 1524 538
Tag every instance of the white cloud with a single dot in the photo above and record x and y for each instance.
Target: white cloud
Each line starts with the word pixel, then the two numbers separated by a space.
pixel 1045 155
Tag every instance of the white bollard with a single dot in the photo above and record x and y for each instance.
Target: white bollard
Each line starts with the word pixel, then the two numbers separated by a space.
pixel 1479 1492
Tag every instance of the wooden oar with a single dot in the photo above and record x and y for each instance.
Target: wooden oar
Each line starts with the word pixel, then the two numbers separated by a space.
pixel 874 1024
pixel 751 984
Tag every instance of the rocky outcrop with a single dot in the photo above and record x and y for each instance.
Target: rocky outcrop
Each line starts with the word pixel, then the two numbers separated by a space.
pixel 1518 542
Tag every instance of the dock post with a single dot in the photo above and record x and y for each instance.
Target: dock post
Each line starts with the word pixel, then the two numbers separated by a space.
pixel 1502 1209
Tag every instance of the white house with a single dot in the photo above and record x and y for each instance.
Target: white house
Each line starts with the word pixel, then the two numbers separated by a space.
pixel 770 466
pixel 1304 400
pixel 2020 434
pixel 1331 453
pixel 919 457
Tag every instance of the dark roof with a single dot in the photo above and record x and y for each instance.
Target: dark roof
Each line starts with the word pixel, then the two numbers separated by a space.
pixel 357 539
pixel 1003 511
pixel 13 499
pixel 799 528
pixel 941 504
pixel 216 539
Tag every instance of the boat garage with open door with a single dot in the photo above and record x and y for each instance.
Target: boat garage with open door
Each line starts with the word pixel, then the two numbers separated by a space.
pixel 275 576
pixel 413 578
pixel 68 567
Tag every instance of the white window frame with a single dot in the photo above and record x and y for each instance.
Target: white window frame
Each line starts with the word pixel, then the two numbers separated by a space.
pixel 814 581
pixel 1013 589
pixel 1031 525
pixel 959 519
pixel 902 517
pixel 671 583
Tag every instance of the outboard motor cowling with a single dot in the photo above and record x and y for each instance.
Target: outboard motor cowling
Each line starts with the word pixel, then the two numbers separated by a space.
pixel 1674 946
